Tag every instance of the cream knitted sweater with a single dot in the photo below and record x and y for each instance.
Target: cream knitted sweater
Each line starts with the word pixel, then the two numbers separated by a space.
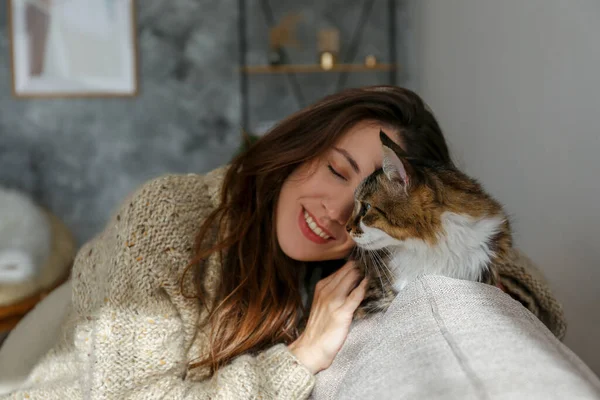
pixel 131 333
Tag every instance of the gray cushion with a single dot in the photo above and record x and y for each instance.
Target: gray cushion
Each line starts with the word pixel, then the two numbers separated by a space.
pixel 444 338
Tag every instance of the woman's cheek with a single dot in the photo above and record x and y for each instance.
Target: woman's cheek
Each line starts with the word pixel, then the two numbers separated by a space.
pixel 348 245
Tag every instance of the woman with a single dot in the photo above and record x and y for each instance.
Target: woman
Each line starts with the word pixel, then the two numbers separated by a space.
pixel 194 289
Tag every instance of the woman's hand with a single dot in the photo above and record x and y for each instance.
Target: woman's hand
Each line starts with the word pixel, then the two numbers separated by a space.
pixel 336 299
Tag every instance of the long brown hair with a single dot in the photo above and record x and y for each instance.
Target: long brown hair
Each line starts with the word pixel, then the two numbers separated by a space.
pixel 258 300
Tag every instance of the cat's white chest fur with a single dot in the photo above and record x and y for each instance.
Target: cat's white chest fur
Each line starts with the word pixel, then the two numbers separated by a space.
pixel 462 250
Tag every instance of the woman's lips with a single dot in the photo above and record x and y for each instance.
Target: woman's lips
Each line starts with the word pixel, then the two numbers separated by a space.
pixel 307 232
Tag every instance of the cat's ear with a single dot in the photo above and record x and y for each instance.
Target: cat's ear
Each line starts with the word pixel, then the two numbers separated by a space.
pixel 389 143
pixel 395 166
pixel 396 169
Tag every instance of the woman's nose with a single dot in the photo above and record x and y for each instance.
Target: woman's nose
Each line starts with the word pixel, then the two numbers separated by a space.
pixel 339 208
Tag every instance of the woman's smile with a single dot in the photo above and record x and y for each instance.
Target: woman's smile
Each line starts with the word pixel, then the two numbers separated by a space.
pixel 311 229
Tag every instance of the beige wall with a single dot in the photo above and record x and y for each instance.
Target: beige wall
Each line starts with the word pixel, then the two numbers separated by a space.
pixel 516 87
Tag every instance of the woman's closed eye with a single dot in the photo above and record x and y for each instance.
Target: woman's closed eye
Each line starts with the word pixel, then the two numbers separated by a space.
pixel 336 173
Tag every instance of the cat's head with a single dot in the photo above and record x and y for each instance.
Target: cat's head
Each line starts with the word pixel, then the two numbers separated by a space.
pixel 408 198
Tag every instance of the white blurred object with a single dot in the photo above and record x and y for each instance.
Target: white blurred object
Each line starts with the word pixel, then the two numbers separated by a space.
pixel 16 266
pixel 25 237
pixel 32 338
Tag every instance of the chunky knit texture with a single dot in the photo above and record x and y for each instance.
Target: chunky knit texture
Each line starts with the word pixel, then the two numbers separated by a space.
pixel 131 333
pixel 521 278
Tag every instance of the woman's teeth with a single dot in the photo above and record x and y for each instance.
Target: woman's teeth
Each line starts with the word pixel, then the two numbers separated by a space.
pixel 313 226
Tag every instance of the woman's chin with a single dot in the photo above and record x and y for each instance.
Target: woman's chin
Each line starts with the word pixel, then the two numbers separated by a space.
pixel 315 256
pixel 299 248
pixel 305 254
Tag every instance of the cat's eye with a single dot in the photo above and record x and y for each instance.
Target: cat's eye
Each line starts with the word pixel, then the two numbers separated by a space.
pixel 365 207
pixel 334 172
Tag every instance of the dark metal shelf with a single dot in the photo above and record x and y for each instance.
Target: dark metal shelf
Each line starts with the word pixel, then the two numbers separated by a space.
pixel 314 68
pixel 290 70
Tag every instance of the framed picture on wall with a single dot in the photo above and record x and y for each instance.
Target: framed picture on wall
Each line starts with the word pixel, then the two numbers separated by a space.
pixel 79 48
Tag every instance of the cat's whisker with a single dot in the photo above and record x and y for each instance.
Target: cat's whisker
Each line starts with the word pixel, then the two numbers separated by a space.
pixel 363 259
pixel 383 267
pixel 390 261
pixel 354 252
pixel 389 274
pixel 385 264
pixel 380 265
pixel 373 258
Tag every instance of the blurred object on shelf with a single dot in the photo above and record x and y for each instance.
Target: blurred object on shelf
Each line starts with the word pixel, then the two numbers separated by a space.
pixel 327 60
pixel 371 61
pixel 314 68
pixel 283 35
pixel 328 55
pixel 328 45
pixel 276 56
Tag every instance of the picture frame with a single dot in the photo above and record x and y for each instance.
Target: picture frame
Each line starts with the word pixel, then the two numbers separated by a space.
pixel 73 48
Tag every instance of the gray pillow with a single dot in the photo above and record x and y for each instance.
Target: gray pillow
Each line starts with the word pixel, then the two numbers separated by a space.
pixel 444 338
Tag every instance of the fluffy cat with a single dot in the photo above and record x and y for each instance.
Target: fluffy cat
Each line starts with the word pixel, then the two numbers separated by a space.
pixel 417 217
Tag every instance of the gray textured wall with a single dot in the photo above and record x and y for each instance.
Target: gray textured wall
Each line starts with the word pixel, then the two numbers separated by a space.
pixel 80 157
pixel 521 113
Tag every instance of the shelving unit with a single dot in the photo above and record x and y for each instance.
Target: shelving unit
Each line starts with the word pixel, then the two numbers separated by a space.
pixel 290 70
pixel 314 68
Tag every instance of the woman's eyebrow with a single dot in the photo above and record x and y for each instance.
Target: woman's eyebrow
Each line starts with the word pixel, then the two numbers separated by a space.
pixel 350 159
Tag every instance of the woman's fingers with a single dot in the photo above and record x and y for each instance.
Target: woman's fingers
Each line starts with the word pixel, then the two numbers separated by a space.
pixel 335 278
pixel 347 283
pixel 356 296
pixel 330 317
pixel 342 282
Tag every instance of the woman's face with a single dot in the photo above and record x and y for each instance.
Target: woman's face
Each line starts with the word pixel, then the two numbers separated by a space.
pixel 317 199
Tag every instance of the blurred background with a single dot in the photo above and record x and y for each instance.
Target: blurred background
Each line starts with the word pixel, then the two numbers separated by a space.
pixel 80 157
pixel 514 84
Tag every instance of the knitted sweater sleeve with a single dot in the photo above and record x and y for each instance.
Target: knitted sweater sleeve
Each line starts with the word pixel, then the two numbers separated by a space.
pixel 135 332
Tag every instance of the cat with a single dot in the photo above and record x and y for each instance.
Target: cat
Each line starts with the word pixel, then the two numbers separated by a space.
pixel 416 217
